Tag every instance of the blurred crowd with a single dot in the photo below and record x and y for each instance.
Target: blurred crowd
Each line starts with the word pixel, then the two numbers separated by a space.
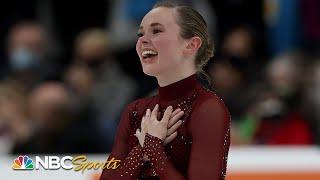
pixel 65 78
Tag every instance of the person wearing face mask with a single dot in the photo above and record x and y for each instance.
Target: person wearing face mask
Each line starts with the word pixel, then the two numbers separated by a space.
pixel 28 54
pixel 183 132
pixel 97 78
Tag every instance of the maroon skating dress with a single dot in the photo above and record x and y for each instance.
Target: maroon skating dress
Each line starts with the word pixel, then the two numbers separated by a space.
pixel 199 151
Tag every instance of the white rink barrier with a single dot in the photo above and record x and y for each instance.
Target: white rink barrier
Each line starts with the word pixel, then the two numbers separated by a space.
pixel 244 162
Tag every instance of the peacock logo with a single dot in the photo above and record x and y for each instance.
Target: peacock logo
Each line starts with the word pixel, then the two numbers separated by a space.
pixel 22 163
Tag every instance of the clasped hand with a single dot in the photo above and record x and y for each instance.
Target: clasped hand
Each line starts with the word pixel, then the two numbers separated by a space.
pixel 165 129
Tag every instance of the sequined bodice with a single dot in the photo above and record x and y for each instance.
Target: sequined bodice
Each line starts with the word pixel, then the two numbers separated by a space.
pixel 179 149
pixel 188 95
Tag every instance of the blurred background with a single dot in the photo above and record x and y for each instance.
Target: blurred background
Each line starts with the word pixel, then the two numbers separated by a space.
pixel 68 69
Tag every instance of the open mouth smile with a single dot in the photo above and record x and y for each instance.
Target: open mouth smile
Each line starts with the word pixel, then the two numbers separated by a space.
pixel 148 54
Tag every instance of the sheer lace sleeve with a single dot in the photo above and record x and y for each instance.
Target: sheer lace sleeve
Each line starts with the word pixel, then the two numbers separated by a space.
pixel 209 128
pixel 131 162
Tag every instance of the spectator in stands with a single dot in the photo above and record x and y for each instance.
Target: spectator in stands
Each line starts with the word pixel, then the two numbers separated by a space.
pixel 57 129
pixel 15 125
pixel 28 49
pixel 97 73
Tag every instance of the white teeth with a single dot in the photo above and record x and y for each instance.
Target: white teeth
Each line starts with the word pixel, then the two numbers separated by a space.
pixel 148 52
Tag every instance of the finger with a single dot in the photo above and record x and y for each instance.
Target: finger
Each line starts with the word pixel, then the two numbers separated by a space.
pixel 174 128
pixel 155 112
pixel 170 138
pixel 137 132
pixel 143 125
pixel 166 115
pixel 175 118
pixel 148 113
pixel 175 112
pixel 147 116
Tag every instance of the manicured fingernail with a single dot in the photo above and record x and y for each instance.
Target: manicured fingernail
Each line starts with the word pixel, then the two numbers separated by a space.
pixel 157 106
pixel 170 107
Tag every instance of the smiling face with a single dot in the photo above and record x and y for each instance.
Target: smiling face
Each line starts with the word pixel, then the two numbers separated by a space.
pixel 160 46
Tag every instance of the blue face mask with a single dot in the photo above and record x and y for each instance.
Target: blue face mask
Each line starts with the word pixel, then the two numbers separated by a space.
pixel 23 59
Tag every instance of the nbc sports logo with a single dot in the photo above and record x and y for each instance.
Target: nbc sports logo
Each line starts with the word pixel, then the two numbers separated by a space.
pixel 79 163
pixel 22 163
